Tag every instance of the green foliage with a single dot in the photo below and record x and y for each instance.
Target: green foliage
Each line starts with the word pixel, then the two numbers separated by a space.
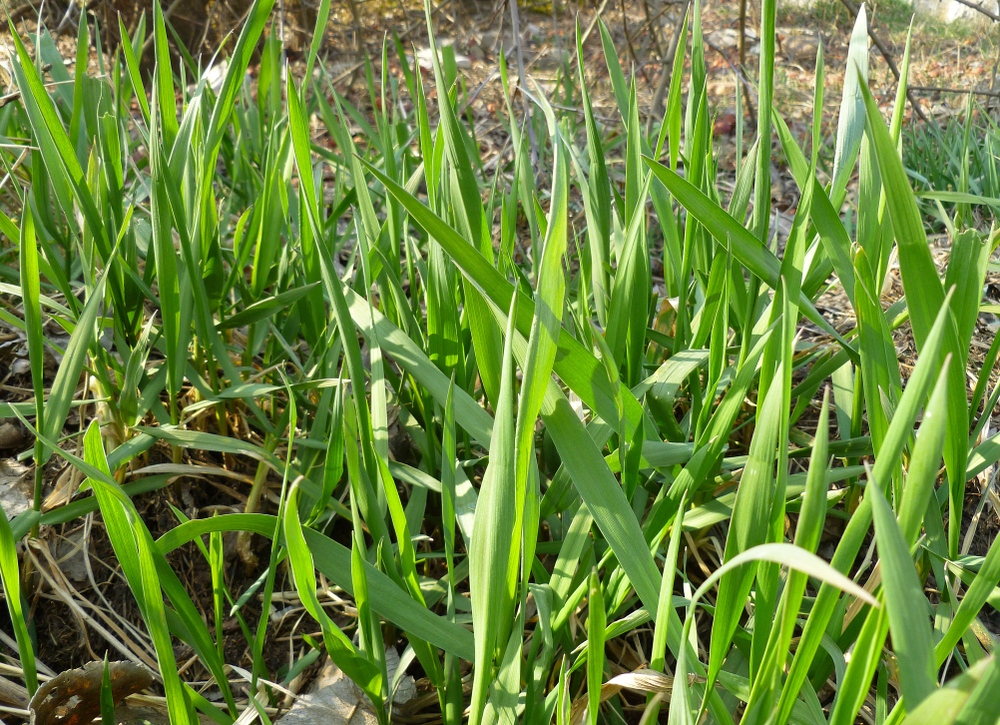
pixel 580 433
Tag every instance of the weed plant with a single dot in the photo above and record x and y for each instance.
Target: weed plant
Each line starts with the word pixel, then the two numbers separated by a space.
pixel 233 285
pixel 961 156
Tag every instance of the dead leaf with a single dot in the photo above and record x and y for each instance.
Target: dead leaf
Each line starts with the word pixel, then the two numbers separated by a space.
pixel 74 697
pixel 13 500
pixel 642 680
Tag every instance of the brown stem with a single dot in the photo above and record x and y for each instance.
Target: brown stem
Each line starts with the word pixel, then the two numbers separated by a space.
pixel 743 33
pixel 652 30
pixel 976 6
pixel 515 23
pixel 948 89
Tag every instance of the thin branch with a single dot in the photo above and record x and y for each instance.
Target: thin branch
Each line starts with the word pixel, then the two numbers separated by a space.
pixel 976 6
pixel 515 23
pixel 628 41
pixel 947 89
pixel 743 33
pixel 593 22
pixel 653 31
pixel 741 77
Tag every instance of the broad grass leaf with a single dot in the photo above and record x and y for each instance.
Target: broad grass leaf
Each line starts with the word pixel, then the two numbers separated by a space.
pixel 575 365
pixel 851 122
pixel 908 621
pixel 749 526
pixel 980 708
pixel 164 84
pixel 944 705
pixel 924 299
pixel 134 547
pixel 489 550
pixel 341 650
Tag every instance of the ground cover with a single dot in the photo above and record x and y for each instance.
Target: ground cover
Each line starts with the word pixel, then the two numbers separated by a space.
pixel 509 397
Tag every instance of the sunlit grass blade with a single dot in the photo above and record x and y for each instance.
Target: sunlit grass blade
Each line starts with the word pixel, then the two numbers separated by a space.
pixel 749 526
pixel 598 200
pixel 11 575
pixel 596 622
pixel 911 633
pixel 489 550
pixel 341 650
pixel 141 572
pixel 898 434
pixel 30 293
pixel 851 123
pixel 925 296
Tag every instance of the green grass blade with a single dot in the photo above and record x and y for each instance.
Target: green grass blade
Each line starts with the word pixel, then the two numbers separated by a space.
pixel 924 299
pixel 575 365
pixel 596 622
pixel 12 593
pixel 851 123
pixel 341 650
pixel 142 577
pixel 751 253
pixel 898 434
pixel 749 526
pixel 489 549
pixel 164 84
pixel 911 632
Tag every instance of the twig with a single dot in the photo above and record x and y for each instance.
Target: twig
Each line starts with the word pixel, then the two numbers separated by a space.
pixel 740 76
pixel 652 30
pixel 406 31
pixel 948 89
pixel 515 23
pixel 21 10
pixel 628 41
pixel 993 77
pixel 743 33
pixel 888 59
pixel 664 7
pixel 593 22
pixel 976 6
pixel 579 111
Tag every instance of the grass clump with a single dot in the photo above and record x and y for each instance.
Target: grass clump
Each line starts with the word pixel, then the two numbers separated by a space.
pixel 955 163
pixel 239 290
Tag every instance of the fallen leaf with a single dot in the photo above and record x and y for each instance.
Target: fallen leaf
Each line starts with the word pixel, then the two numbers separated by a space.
pixel 74 697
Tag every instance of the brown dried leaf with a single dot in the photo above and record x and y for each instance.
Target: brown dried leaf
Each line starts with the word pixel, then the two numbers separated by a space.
pixel 643 680
pixel 74 697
